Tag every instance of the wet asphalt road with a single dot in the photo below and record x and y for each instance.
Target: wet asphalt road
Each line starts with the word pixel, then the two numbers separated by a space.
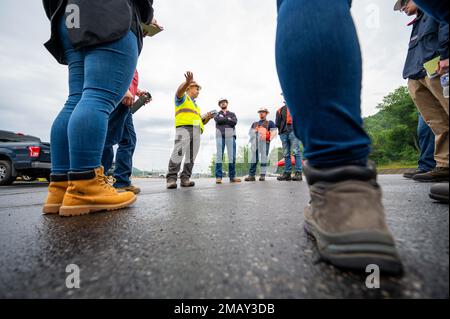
pixel 228 241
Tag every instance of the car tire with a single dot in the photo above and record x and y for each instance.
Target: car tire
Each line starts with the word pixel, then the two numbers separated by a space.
pixel 6 177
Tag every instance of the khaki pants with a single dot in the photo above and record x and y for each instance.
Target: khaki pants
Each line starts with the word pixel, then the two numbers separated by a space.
pixel 187 145
pixel 429 99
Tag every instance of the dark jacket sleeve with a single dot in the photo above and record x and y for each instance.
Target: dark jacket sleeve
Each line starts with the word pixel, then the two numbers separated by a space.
pixel 278 120
pixel 145 9
pixel 443 40
pixel 50 6
pixel 220 120
pixel 232 120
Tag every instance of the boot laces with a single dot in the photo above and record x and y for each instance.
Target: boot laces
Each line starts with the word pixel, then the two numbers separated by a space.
pixel 107 181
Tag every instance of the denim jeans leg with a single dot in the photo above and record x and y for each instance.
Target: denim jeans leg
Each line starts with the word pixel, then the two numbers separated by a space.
pixel 220 148
pixel 116 126
pixel 264 153
pixel 285 141
pixel 295 142
pixel 125 152
pixel 59 140
pixel 254 159
pixel 231 152
pixel 426 144
pixel 109 69
pixel 323 94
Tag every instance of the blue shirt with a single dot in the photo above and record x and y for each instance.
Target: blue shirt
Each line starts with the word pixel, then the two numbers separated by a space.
pixel 179 102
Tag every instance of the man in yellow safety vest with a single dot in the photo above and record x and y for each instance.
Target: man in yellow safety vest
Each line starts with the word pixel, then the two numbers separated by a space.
pixel 189 126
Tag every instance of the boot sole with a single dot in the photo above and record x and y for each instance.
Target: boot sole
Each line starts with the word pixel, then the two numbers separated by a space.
pixel 51 209
pixel 70 211
pixel 436 180
pixel 439 198
pixel 357 250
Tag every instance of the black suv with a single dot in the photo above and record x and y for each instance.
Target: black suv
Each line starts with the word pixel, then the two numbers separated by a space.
pixel 23 155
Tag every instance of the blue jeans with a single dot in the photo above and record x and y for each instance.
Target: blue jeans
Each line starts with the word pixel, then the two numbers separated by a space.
pixel 260 153
pixel 320 70
pixel 230 144
pixel 98 79
pixel 291 144
pixel 426 144
pixel 435 8
pixel 120 131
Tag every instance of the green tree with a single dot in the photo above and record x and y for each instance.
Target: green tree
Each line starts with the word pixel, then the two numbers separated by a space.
pixel 393 129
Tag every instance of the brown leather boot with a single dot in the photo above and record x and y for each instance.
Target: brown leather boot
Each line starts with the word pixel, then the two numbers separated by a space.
pixel 185 182
pixel 56 191
pixel 439 174
pixel 346 217
pixel 90 192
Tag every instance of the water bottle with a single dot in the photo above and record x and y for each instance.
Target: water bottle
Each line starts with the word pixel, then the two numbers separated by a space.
pixel 140 102
pixel 444 83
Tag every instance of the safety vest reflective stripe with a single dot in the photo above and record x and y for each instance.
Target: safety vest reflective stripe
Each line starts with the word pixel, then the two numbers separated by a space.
pixel 188 114
pixel 186 111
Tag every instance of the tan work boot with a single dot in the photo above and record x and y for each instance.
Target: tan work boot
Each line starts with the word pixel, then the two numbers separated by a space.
pixel 235 180
pixel 90 192
pixel 56 190
pixel 346 217
pixel 134 189
pixel 218 181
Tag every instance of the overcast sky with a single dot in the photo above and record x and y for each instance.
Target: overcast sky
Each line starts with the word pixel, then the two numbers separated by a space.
pixel 229 45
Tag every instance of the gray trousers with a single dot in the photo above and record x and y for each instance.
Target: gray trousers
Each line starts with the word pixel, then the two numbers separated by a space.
pixel 187 145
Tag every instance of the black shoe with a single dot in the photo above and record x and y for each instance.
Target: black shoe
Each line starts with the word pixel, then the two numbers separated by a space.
pixel 250 179
pixel 439 174
pixel 298 177
pixel 286 177
pixel 262 178
pixel 411 174
pixel 440 192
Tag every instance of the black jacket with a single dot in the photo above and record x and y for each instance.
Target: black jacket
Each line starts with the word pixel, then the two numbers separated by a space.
pixel 224 122
pixel 429 39
pixel 281 121
pixel 101 21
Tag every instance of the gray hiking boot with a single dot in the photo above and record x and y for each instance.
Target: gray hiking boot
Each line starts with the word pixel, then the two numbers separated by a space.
pixel 171 184
pixel 346 217
pixel 186 182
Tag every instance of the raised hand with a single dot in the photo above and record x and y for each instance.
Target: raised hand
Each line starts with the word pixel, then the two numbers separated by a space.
pixel 189 77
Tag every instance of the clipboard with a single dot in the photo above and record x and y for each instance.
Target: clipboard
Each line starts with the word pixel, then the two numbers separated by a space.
pixel 432 66
pixel 151 29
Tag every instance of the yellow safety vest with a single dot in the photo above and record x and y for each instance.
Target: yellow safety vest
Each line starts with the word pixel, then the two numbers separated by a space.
pixel 188 114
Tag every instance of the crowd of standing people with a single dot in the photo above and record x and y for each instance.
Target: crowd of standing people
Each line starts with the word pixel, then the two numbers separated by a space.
pixel 346 215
